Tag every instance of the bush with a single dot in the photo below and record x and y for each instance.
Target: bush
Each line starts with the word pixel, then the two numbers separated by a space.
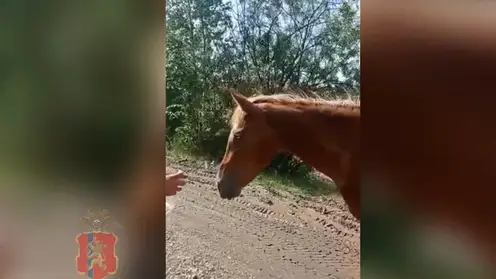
pixel 199 125
pixel 288 165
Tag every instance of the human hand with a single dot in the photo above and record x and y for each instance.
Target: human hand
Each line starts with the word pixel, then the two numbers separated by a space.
pixel 174 183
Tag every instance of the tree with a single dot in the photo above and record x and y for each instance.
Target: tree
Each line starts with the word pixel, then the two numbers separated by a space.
pixel 267 46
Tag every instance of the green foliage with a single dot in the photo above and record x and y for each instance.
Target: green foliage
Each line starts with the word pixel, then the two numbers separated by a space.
pixel 200 125
pixel 252 45
pixel 287 165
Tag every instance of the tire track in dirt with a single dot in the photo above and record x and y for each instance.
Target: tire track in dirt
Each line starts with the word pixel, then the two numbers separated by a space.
pixel 257 235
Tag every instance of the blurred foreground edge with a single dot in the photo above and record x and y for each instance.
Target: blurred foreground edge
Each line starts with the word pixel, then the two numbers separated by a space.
pixel 427 76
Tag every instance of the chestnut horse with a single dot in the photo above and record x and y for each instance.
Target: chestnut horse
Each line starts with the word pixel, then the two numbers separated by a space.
pixel 324 134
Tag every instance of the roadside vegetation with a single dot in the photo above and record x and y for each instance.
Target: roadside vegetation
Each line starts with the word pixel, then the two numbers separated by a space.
pixel 310 47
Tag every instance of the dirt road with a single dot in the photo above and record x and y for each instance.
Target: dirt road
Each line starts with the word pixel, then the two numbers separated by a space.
pixel 259 235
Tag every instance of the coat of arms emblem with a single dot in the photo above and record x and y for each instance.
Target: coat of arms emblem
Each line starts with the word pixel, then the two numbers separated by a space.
pixel 96 258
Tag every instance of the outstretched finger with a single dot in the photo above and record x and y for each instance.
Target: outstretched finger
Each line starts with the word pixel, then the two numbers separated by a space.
pixel 179 174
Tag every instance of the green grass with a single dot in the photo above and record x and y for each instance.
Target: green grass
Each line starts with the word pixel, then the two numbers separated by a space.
pixel 310 186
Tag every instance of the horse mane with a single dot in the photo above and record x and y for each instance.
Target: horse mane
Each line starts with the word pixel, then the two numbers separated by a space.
pixel 294 101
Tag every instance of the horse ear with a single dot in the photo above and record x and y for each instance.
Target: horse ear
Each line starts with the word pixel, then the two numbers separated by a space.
pixel 245 104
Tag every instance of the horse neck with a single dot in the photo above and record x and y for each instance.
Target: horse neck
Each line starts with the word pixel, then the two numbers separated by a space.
pixel 305 134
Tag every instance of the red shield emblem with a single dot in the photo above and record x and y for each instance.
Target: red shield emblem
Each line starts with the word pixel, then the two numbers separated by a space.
pixel 96 258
